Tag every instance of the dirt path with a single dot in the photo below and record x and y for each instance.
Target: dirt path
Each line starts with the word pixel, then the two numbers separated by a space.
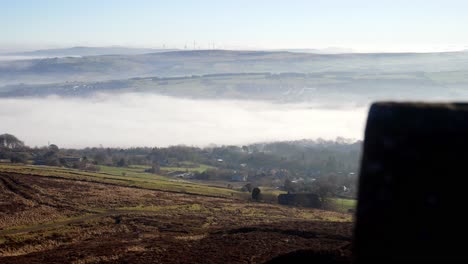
pixel 71 221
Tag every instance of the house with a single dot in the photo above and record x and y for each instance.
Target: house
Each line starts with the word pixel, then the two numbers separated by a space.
pixel 238 178
pixel 172 173
pixel 39 161
pixel 70 159
pixel 181 174
pixel 186 175
pixel 297 180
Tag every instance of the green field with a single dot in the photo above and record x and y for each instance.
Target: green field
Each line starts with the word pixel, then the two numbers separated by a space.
pixel 196 167
pixel 342 205
pixel 132 176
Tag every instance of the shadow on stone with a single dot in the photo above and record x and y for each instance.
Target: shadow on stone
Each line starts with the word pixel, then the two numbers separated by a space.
pixel 413 181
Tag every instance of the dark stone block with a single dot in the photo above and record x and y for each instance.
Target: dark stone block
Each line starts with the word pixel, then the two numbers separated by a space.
pixel 413 182
pixel 300 199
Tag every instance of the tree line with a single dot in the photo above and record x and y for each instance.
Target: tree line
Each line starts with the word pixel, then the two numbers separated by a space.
pixel 296 166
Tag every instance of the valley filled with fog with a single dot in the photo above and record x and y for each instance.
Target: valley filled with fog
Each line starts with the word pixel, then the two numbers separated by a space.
pixel 232 131
pixel 132 119
pixel 85 97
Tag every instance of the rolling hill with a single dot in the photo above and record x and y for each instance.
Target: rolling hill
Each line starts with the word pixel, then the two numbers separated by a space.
pixel 86 51
pixel 255 75
pixel 202 62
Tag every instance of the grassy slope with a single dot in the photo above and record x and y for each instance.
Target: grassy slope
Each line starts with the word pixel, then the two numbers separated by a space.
pixel 136 177
pixel 137 171
pixel 342 205
pixel 133 177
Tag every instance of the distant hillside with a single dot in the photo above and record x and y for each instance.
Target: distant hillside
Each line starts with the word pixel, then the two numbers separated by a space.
pixel 330 50
pixel 86 51
pixel 202 62
pixel 324 89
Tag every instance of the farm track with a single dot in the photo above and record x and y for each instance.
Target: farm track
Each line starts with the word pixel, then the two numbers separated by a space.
pixel 24 191
pixel 12 186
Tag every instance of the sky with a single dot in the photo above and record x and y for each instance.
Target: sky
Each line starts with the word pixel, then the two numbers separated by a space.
pixel 362 25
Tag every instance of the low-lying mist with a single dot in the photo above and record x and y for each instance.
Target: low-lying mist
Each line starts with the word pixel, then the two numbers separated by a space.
pixel 127 120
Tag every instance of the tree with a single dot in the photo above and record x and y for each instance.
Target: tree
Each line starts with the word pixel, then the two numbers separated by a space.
pixel 334 179
pixel 289 186
pixel 122 163
pixel 10 141
pixel 52 161
pixel 324 188
pixel 54 148
pixel 101 157
pixel 19 158
pixel 155 168
pixel 256 194
pixel 247 188
pixel 331 164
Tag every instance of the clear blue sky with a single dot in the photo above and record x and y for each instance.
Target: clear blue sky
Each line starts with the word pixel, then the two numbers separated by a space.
pixel 359 24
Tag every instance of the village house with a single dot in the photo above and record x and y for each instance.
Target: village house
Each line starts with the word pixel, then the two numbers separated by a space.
pixel 239 178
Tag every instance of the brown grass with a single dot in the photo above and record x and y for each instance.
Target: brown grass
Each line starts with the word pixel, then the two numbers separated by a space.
pixel 140 225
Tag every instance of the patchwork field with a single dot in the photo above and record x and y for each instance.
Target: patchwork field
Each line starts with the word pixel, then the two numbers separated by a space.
pixel 59 215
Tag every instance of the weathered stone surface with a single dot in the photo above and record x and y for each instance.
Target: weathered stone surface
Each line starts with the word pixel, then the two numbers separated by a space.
pixel 413 183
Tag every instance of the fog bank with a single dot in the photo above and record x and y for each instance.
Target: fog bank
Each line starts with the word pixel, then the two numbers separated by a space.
pixel 13 58
pixel 127 120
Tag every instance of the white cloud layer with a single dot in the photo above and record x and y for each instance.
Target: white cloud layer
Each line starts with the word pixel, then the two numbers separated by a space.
pixel 127 120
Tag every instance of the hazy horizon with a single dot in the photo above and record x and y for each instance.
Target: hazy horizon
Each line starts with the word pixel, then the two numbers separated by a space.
pixel 9 53
pixel 225 111
pixel 363 25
